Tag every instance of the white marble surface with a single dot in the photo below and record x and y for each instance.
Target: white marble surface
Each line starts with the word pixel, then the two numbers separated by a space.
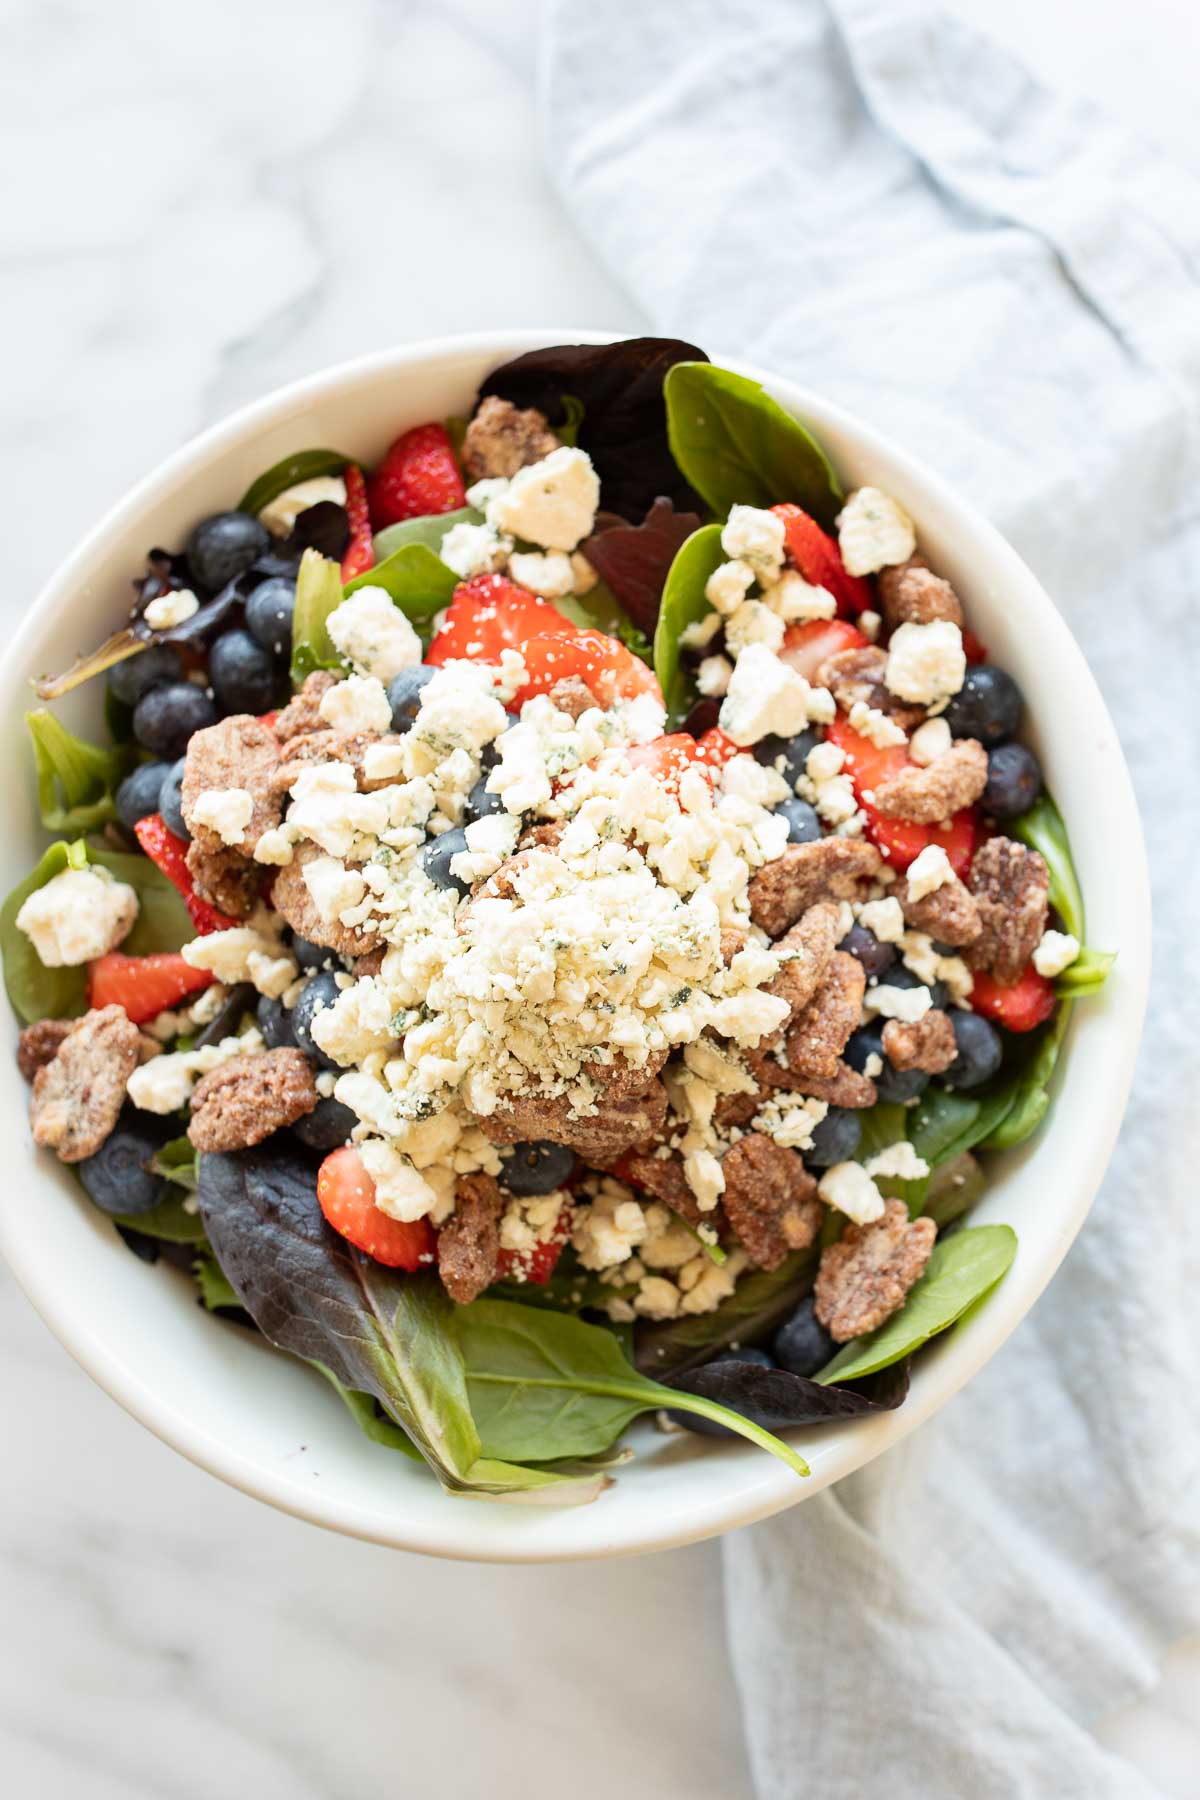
pixel 201 203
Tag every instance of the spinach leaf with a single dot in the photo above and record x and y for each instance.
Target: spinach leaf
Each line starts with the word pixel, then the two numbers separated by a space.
pixel 1086 975
pixel 683 602
pixel 738 446
pixel 635 560
pixel 301 465
pixel 543 1385
pixel 953 1189
pixel 35 991
pixel 418 581
pixel 1028 1087
pixel 76 780
pixel 429 530
pixel 373 1423
pixel 215 1291
pixel 762 1300
pixel 162 922
pixel 568 426
pixel 778 1400
pixel 177 1161
pixel 961 1269
pixel 169 1220
pixel 318 593
pixel 616 407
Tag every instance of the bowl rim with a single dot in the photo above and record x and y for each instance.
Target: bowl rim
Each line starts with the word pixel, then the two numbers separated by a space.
pixel 774 1487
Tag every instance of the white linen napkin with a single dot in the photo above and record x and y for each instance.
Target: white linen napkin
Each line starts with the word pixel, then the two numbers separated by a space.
pixel 871 197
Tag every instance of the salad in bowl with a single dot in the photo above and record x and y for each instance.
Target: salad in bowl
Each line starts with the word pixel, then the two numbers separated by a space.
pixel 563 919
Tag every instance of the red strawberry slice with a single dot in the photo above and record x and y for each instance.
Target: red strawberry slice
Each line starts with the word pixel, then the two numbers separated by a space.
pixel 360 552
pixel 717 749
pixel 805 647
pixel 819 560
pixel 973 649
pixel 418 475
pixel 346 1196
pixel 899 840
pixel 536 1265
pixel 143 985
pixel 169 853
pixel 1027 1002
pixel 669 758
pixel 611 671
pixel 489 614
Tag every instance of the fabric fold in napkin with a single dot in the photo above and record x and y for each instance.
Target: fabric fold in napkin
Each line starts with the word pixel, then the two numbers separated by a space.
pixel 871 197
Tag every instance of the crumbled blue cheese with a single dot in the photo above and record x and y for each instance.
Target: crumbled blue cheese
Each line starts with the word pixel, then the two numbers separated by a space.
pixel 926 663
pixel 712 677
pixel 727 586
pixel 165 1083
pixel 928 872
pixel 849 1188
pixel 790 1121
pixel 873 531
pixel 474 549
pixel 245 953
pixel 765 696
pixel 490 841
pixel 928 742
pixel 888 1002
pixel 755 536
pixel 551 503
pixel 753 623
pixel 884 918
pixel 369 631
pixel 701 632
pixel 797 602
pixel 870 722
pixel 899 1161
pixel 77 916
pixel 227 811
pixel 359 703
pixel 171 609
pixel 919 953
pixel 549 574
pixel 1056 951
pixel 401 1191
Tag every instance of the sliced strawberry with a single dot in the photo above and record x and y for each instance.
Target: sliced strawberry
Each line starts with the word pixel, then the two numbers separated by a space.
pixel 169 853
pixel 537 1265
pixel 360 552
pixel 1027 1002
pixel 143 985
pixel 346 1196
pixel 489 614
pixel 418 475
pixel 669 758
pixel 611 671
pixel 973 649
pixel 717 749
pixel 899 840
pixel 805 647
pixel 819 560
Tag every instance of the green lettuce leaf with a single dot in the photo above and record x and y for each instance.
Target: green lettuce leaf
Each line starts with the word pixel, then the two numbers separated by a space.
pixel 428 530
pixel 417 580
pixel 76 781
pixel 318 593
pixel 301 465
pixel 683 603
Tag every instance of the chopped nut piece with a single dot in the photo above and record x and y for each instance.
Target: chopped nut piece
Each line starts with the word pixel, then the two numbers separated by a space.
pixel 928 1044
pixel 819 1034
pixel 845 1087
pixel 1011 886
pixel 809 946
pixel 928 795
pixel 864 1277
pixel 503 438
pixel 469 1242
pixel 664 1177
pixel 599 1137
pixel 856 676
pixel 573 695
pixel 225 878
pixel 770 1199
pixel 291 898
pixel 237 752
pixel 912 595
pixel 950 913
pixel 303 711
pixel 38 1044
pixel 831 868
pixel 244 1100
pixel 78 1095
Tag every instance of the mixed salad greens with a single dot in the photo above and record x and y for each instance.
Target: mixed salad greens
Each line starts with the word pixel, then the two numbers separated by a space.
pixel 203 1099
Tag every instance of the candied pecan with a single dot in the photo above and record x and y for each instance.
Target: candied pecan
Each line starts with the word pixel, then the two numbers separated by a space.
pixel 503 438
pixel 237 752
pixel 303 711
pixel 732 940
pixel 370 964
pixel 663 1177
pixel 624 1080
pixel 291 899
pixel 78 1095
pixel 854 675
pixel 818 1035
pixel 950 913
pixel 38 1044
pixel 770 1199
pixel 225 878
pixel 247 1098
pixel 865 1276
pixel 928 795
pixel 327 746
pixel 831 868
pixel 1011 885
pixel 573 695
pixel 911 594
pixel 468 1248
pixel 739 1109
pixel 845 1087
pixel 542 837
pixel 928 1044
pixel 809 947
pixel 617 1124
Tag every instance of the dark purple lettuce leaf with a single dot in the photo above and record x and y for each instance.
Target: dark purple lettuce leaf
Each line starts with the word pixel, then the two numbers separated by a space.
pixel 634 559
pixel 703 717
pixel 776 1400
pixel 624 426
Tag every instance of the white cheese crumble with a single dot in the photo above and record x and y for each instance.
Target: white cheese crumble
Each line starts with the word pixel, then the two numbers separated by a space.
pixel 849 1188
pixel 1056 951
pixel 755 536
pixel 359 703
pixel 165 1083
pixel 797 601
pixel 371 633
pixel 227 811
pixel 77 916
pixel 928 872
pixel 928 742
pixel 790 1122
pixel 753 623
pixel 712 677
pixel 401 1191
pixel 906 1004
pixel 473 549
pixel 701 632
pixel 926 663
pixel 244 953
pixel 765 696
pixel 884 918
pixel 900 1161
pixel 870 623
pixel 873 531
pixel 280 515
pixel 875 725
pixel 727 587
pixel 171 609
pixel 550 574
pixel 928 965
pixel 551 503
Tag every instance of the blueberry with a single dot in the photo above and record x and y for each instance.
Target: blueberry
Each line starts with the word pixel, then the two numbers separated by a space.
pixel 269 612
pixel 980 1050
pixel 901 976
pixel 1014 781
pixel 315 996
pixel 116 1177
pixel 170 799
pixel 224 546
pixel 136 675
pixel 987 706
pixel 804 827
pixel 874 956
pixel 835 1139
pixel 137 796
pixel 404 693
pixel 794 752
pixel 893 1085
pixel 275 1023
pixel 802 1345
pixel 165 718
pixel 481 803
pixel 489 756
pixel 435 860
pixel 242 673
pixel 310 956
pixel 536 1168
pixel 327 1126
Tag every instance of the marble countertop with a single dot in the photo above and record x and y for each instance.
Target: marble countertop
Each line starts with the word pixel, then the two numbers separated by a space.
pixel 186 231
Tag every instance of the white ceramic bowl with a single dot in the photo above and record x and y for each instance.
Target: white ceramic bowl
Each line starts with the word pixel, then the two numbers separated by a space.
pixel 261 1420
